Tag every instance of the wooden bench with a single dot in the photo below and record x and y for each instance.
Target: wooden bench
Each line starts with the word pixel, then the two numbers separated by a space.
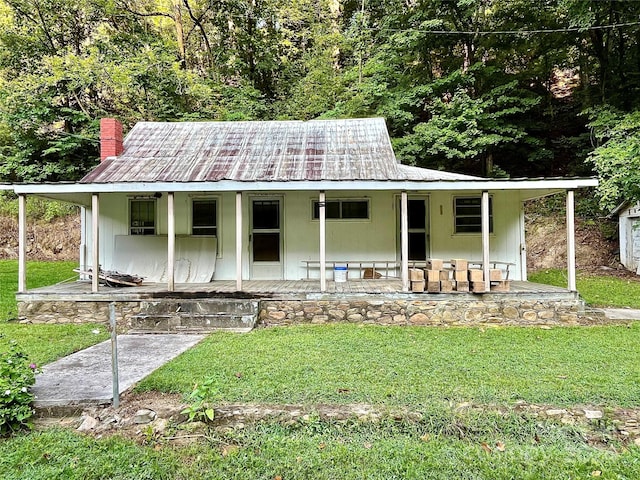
pixel 365 268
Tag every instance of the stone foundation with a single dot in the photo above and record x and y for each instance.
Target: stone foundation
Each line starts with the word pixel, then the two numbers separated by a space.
pixel 60 311
pixel 508 310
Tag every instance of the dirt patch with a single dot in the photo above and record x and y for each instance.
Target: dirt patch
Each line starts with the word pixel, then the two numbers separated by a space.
pixel 55 240
pixel 155 418
pixel 547 245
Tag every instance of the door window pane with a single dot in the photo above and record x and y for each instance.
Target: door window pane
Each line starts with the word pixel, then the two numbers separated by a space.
pixel 266 247
pixel 266 214
pixel 417 246
pixel 417 214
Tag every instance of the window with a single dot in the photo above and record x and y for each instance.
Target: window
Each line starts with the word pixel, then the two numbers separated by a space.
pixel 343 209
pixel 204 217
pixel 142 217
pixel 468 215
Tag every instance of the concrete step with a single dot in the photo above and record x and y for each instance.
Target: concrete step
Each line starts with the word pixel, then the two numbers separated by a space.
pixel 195 316
pixel 199 306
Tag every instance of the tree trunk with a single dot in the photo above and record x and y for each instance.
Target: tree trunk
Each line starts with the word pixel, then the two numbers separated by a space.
pixel 177 18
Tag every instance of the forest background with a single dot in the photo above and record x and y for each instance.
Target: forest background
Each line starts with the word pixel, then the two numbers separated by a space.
pixel 499 88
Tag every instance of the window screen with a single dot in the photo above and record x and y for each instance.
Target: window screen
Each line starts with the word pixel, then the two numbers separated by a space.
pixel 468 215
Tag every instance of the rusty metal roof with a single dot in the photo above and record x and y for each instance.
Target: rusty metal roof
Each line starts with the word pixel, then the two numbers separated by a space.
pixel 353 149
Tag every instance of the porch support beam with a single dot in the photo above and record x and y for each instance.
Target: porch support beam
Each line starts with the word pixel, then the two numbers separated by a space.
pixel 323 247
pixel 571 242
pixel 95 230
pixel 239 241
pixel 22 243
pixel 404 241
pixel 485 240
pixel 171 242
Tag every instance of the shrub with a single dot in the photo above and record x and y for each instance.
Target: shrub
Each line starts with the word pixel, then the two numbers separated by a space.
pixel 16 376
pixel 199 408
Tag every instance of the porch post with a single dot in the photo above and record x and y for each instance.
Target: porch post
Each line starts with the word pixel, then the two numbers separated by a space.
pixel 95 264
pixel 404 241
pixel 171 242
pixel 323 249
pixel 22 243
pixel 571 242
pixel 485 240
pixel 82 254
pixel 238 241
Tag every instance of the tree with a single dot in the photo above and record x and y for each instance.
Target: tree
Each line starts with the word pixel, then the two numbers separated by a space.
pixel 617 158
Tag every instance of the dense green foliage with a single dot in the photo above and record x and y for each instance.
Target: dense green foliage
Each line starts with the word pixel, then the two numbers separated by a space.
pixel 38 209
pixel 17 375
pixel 490 87
pixel 412 366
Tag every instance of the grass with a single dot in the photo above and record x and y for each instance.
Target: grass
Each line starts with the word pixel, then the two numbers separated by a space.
pixel 38 274
pixel 597 290
pixel 45 343
pixel 413 366
pixel 326 450
pixel 42 343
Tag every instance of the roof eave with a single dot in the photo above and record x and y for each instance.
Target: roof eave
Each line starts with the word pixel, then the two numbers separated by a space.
pixel 371 185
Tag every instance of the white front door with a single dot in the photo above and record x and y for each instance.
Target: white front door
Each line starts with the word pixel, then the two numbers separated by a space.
pixel 266 238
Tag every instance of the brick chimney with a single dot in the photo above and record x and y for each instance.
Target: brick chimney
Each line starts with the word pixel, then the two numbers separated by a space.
pixel 110 138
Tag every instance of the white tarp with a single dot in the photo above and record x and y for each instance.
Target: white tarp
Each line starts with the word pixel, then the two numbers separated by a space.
pixel 146 256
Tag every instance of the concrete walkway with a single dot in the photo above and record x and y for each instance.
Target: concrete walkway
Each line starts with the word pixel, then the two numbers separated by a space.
pixel 621 313
pixel 85 377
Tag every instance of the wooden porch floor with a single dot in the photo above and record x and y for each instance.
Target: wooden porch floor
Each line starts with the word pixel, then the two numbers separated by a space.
pixel 274 288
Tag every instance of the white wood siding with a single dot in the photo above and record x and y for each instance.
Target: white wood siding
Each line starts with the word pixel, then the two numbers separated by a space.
pixel 373 239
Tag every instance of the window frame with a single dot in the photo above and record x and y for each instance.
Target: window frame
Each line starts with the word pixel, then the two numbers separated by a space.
pixel 456 215
pixel 340 217
pixel 139 230
pixel 215 227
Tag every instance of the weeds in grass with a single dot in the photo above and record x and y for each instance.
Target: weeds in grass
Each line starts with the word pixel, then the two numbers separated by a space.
pixel 199 407
pixel 317 449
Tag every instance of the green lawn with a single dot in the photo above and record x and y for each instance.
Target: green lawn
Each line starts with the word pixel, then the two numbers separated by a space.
pixel 42 343
pixel 597 290
pixel 414 366
pixel 39 274
pixel 528 449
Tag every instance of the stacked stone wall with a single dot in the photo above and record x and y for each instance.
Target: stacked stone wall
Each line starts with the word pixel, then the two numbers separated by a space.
pixel 58 311
pixel 510 311
pixel 507 311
